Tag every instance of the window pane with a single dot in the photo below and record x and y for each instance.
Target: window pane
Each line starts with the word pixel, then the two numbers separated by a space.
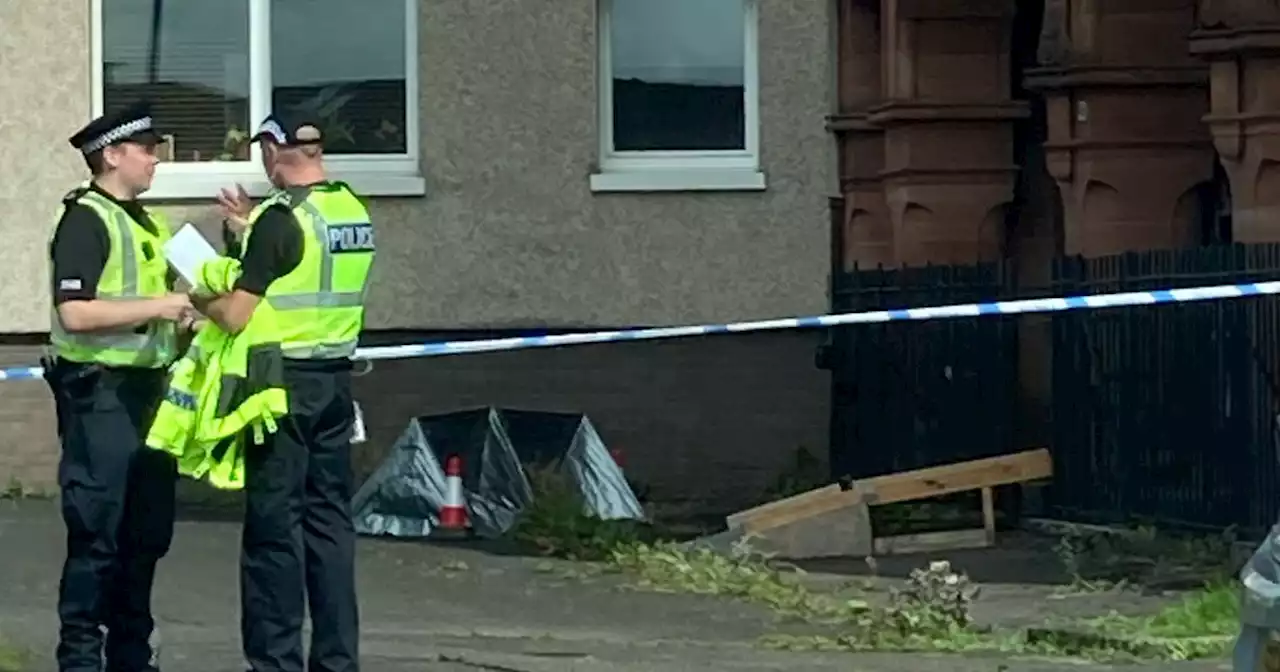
pixel 343 62
pixel 678 76
pixel 190 58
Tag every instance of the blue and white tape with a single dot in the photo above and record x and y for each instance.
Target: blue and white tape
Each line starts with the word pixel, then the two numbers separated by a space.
pixel 1021 306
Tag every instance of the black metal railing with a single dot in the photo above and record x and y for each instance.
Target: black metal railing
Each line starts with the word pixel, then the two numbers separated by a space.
pixel 1166 412
pixel 913 394
pixel 1162 413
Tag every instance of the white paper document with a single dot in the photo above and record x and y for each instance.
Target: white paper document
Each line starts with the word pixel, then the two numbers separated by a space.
pixel 186 251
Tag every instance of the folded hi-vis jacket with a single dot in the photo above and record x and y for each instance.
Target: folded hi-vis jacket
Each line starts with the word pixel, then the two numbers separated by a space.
pixel 226 388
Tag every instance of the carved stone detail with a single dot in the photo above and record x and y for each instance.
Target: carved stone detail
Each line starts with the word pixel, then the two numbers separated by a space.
pixel 948 140
pixel 1240 39
pixel 868 234
pixel 1125 141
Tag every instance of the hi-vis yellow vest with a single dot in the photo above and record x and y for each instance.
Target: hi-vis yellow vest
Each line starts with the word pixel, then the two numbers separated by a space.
pixel 225 388
pixel 135 269
pixel 320 304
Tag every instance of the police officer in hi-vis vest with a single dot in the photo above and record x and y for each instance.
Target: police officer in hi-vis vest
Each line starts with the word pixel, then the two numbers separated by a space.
pixel 307 251
pixel 113 332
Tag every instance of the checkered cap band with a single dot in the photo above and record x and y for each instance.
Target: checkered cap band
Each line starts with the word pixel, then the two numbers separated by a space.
pixel 121 132
pixel 271 128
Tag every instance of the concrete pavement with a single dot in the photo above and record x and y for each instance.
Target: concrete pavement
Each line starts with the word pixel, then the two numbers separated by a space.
pixel 446 608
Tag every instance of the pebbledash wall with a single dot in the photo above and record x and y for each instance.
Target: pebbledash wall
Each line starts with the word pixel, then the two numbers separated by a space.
pixel 510 235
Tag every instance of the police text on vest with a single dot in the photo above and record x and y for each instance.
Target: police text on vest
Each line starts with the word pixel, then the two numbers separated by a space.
pixel 350 238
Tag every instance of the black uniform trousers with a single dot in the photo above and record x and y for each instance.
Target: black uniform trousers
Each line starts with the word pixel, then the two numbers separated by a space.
pixel 118 506
pixel 299 538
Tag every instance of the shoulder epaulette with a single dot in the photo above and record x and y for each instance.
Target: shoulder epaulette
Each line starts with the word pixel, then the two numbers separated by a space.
pixel 281 197
pixel 74 195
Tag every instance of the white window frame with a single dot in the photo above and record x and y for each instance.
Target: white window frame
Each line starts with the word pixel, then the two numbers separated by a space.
pixel 727 170
pixel 369 175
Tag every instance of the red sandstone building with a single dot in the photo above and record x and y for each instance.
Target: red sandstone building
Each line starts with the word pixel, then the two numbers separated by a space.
pixel 956 119
pixel 1067 146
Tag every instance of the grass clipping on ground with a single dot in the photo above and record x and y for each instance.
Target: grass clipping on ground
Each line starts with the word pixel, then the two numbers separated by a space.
pixel 930 612
pixel 1203 624
pixel 12 658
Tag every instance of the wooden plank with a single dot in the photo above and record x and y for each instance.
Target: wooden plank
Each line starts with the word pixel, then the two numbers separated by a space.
pixel 900 487
pixel 952 478
pixel 821 502
pixel 928 542
pixel 737 519
pixel 989 514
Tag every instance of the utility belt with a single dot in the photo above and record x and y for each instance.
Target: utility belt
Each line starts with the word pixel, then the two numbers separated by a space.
pixel 340 365
pixel 71 382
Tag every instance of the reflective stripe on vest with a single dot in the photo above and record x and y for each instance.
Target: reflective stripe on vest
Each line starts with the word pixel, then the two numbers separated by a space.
pixel 151 349
pixel 325 297
pixel 320 304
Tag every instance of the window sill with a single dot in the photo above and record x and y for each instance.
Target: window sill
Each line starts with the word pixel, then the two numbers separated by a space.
pixel 687 179
pixel 205 186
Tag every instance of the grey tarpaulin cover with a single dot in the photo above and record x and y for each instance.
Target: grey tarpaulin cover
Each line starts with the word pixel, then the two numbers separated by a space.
pixel 1261 575
pixel 403 497
pixel 1261 578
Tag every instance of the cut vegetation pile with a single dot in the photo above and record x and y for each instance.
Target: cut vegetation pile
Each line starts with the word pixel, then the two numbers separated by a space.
pixel 931 610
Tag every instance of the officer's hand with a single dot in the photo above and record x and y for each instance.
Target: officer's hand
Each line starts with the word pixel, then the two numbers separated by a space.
pixel 235 207
pixel 234 204
pixel 190 321
pixel 200 300
pixel 173 307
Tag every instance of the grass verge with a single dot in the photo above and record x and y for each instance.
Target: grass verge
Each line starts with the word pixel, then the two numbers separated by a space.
pixel 930 613
pixel 1203 624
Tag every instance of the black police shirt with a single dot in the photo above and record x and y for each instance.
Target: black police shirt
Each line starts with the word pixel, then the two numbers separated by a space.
pixel 274 250
pixel 81 244
pixel 80 247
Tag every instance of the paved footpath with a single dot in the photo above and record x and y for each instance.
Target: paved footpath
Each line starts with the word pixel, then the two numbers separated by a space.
pixel 429 608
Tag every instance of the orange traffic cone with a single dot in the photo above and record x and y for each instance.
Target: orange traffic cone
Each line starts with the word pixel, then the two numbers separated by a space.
pixel 453 515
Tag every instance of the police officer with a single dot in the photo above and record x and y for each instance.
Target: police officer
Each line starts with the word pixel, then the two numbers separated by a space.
pixel 307 252
pixel 113 332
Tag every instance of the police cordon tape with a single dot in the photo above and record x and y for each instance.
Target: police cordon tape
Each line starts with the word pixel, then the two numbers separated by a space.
pixel 1016 307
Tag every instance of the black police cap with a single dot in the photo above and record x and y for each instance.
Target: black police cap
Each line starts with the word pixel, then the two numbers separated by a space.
pixel 289 130
pixel 131 124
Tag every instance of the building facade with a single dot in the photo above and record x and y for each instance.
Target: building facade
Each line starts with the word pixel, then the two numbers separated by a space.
pixel 607 163
pixel 1026 130
pixel 576 164
pixel 1001 128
